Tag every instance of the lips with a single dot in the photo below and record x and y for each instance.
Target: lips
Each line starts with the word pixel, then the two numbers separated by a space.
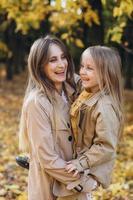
pixel 60 72
pixel 84 79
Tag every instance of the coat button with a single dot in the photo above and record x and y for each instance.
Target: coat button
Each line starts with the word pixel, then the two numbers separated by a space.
pixel 70 138
pixel 68 125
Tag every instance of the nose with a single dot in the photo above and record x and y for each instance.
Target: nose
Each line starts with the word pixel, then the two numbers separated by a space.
pixel 61 64
pixel 82 71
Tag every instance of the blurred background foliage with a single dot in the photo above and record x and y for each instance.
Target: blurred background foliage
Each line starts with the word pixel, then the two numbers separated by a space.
pixel 79 24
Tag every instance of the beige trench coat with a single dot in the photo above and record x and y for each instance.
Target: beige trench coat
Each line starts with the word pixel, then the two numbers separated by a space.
pixel 98 133
pixel 50 141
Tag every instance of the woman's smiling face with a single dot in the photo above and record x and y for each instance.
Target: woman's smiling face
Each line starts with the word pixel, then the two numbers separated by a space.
pixel 57 65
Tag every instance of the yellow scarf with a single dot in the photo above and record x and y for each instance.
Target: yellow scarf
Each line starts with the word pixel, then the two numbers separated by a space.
pixel 74 112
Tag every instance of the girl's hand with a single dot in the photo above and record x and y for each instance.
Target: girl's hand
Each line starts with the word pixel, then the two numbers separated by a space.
pixel 72 168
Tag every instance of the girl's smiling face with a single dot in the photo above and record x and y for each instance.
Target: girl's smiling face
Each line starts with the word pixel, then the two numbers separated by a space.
pixel 88 73
pixel 57 65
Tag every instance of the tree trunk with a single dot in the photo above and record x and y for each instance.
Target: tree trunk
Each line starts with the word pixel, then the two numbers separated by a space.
pixel 94 35
pixel 129 71
pixel 8 40
pixel 9 69
pixel 128 46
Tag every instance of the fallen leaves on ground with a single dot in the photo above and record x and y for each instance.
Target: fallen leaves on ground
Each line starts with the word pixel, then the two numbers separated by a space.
pixel 13 179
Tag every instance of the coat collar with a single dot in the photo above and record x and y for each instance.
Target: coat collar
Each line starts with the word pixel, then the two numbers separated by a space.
pixel 69 89
pixel 93 100
pixel 71 92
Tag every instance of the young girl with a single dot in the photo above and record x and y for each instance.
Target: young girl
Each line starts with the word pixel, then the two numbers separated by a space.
pixel 97 114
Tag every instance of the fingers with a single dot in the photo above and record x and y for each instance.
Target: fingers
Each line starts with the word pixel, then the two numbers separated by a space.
pixel 76 173
pixel 69 162
pixel 70 168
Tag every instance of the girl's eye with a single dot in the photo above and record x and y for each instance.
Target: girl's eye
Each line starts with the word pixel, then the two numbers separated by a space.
pixel 63 57
pixel 89 68
pixel 86 68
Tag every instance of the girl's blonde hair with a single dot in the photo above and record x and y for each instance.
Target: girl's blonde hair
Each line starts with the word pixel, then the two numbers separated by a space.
pixel 108 67
pixel 38 58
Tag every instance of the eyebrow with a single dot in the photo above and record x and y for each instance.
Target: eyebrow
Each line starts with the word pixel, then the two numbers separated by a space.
pixel 88 65
pixel 52 57
pixel 56 56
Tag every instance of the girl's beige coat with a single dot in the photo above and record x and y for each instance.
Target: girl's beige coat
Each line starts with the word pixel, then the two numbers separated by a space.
pixel 98 135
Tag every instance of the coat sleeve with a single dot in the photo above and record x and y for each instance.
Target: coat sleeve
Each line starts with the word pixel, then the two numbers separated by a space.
pixel 42 143
pixel 105 141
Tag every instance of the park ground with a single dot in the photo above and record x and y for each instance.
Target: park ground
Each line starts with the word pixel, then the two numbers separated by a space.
pixel 13 179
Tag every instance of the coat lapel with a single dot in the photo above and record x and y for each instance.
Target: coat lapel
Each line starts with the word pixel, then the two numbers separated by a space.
pixel 93 100
pixel 61 108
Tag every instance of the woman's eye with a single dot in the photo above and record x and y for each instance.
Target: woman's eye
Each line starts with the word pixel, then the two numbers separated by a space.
pixel 52 60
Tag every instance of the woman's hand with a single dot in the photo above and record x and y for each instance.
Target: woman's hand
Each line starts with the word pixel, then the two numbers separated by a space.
pixel 72 168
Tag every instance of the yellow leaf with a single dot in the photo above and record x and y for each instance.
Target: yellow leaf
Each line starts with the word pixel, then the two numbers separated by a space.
pixel 79 43
pixel 23 196
pixel 64 36
pixel 117 12
pixel 2 169
pixel 123 24
pixel 129 170
pixel 116 37
pixel 104 2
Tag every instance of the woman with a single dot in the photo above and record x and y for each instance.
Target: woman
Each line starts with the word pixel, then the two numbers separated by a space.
pixel 45 131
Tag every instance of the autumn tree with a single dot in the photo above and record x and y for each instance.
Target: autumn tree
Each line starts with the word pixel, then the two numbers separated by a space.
pixel 78 23
pixel 18 19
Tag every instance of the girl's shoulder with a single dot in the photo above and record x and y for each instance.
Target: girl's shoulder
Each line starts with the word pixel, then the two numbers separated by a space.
pixel 105 107
pixel 105 99
pixel 100 103
pixel 98 99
